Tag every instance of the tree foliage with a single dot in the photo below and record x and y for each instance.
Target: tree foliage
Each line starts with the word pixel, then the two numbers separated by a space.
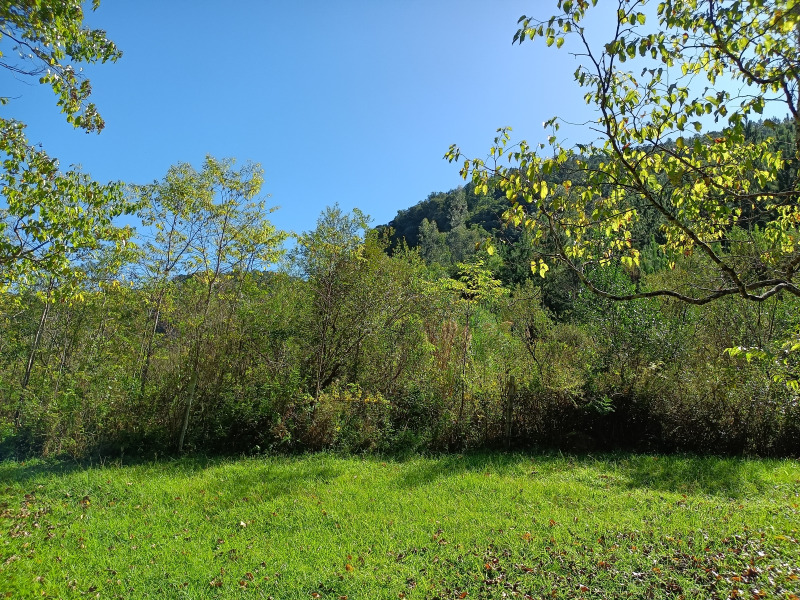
pixel 360 301
pixel 716 195
pixel 50 219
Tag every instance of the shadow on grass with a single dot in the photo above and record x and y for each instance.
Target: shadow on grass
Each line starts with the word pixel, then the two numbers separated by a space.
pixel 715 476
pixel 424 470
pixel 21 472
pixel 276 476
pixel 270 477
pixel 709 475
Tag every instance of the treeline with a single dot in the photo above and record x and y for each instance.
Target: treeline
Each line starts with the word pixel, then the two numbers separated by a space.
pixel 203 338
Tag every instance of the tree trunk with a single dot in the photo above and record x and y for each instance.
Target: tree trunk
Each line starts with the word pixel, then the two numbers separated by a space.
pixel 189 402
pixel 32 355
pixel 510 393
pixel 149 351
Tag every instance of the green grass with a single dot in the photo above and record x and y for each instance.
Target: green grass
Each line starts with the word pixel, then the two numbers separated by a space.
pixel 482 526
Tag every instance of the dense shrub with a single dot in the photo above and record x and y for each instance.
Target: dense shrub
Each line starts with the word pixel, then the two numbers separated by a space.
pixel 380 353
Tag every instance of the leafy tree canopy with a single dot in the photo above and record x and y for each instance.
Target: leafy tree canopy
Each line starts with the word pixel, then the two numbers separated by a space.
pixel 719 197
pixel 51 220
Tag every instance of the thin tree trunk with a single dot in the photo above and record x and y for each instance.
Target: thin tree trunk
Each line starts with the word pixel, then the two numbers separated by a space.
pixel 149 351
pixel 467 339
pixel 511 393
pixel 35 346
pixel 189 402
pixel 196 361
pixel 32 355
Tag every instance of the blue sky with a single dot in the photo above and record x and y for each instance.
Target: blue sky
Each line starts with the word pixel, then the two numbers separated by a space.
pixel 354 101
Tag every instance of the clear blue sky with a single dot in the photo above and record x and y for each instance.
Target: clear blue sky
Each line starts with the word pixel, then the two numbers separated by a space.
pixel 354 101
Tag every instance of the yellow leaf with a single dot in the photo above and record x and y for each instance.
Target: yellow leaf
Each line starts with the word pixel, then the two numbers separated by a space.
pixel 543 269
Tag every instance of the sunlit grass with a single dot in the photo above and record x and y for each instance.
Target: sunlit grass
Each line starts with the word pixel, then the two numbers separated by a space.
pixel 483 526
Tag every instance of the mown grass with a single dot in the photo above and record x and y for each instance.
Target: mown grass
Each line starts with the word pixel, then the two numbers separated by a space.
pixel 480 526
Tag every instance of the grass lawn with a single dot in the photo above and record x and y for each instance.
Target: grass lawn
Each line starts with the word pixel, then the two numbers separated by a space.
pixel 453 527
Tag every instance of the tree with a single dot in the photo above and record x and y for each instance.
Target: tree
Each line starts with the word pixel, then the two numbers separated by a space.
pixel 174 209
pixel 457 211
pixel 236 238
pixel 325 257
pixel 432 244
pixel 716 195
pixel 49 217
pixel 475 286
pixel 361 301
